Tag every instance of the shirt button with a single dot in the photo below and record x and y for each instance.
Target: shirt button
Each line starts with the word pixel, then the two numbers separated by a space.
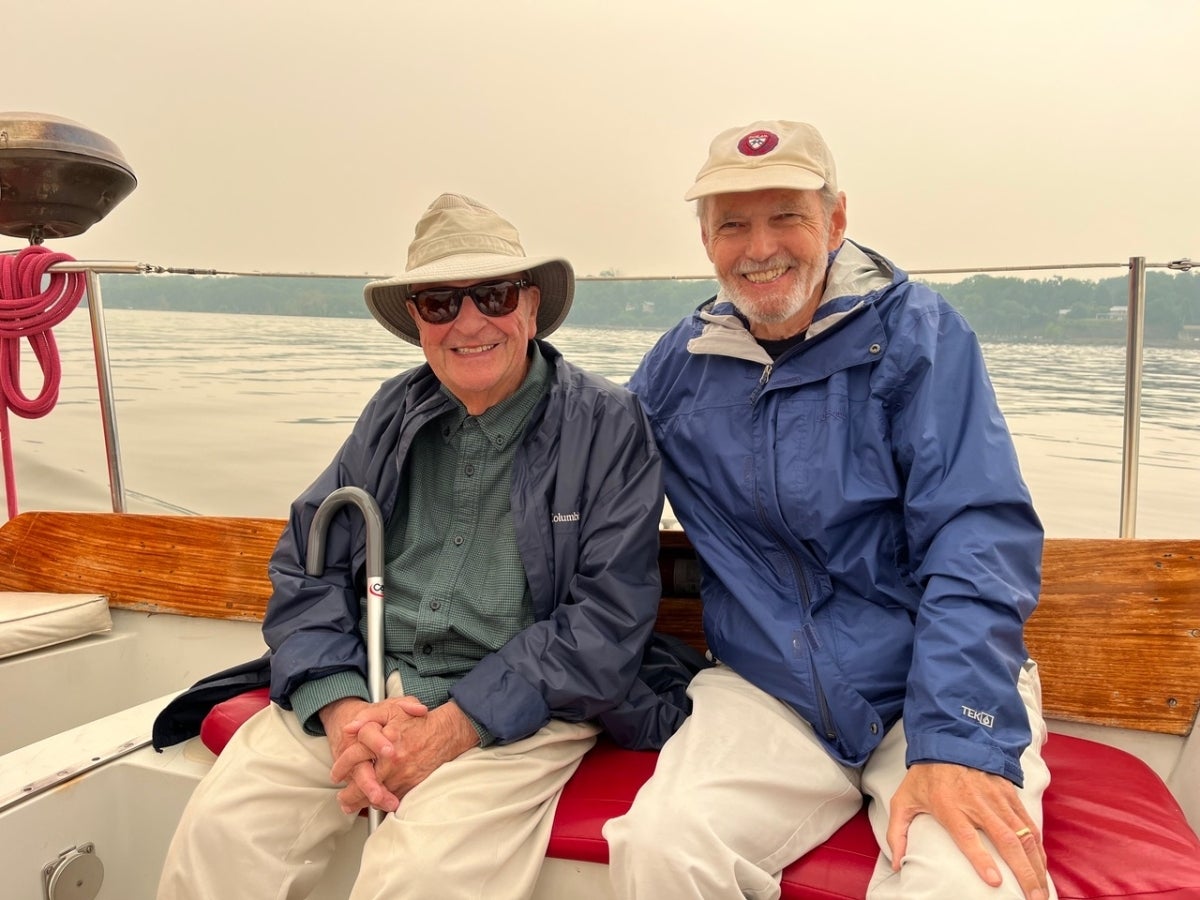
pixel 435 605
pixel 470 469
pixel 458 540
pixel 875 348
pixel 874 728
pixel 427 649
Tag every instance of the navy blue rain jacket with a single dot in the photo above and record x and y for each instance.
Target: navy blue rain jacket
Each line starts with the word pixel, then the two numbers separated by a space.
pixel 586 506
pixel 868 545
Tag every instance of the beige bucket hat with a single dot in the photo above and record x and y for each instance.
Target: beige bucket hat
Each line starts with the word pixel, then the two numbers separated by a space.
pixel 460 239
pixel 763 155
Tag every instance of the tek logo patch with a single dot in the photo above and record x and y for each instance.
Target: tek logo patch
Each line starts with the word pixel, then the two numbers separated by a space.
pixel 986 719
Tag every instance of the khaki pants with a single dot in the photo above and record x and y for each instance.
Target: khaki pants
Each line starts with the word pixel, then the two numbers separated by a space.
pixel 265 823
pixel 744 788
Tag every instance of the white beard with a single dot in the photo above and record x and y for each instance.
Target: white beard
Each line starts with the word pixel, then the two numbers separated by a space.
pixel 774 309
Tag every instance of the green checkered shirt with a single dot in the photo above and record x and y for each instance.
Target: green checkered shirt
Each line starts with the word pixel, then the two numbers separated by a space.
pixel 454 586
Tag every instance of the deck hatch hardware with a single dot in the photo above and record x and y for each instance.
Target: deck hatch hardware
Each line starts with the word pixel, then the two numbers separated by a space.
pixel 76 875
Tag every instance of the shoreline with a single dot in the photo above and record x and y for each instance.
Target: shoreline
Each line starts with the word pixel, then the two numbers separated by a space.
pixel 1157 343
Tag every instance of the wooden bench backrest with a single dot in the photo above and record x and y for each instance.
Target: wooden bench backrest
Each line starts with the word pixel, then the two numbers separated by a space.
pixel 1116 633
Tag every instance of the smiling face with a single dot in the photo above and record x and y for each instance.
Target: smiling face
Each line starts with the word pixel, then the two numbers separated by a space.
pixel 769 249
pixel 480 359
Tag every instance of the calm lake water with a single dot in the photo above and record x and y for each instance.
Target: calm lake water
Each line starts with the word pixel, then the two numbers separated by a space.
pixel 235 414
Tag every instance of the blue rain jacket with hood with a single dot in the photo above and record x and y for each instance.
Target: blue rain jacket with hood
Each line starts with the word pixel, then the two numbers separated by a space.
pixel 868 545
pixel 586 505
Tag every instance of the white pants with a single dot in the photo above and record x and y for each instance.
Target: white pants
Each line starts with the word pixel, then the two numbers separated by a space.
pixel 745 788
pixel 264 823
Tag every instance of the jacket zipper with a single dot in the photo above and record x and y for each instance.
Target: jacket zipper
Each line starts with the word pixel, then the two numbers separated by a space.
pixel 762 383
pixel 798 572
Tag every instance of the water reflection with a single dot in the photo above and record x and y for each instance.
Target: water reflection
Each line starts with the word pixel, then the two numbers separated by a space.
pixel 1049 378
pixel 235 414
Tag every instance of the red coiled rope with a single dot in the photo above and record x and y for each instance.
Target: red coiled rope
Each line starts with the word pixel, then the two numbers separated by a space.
pixel 27 311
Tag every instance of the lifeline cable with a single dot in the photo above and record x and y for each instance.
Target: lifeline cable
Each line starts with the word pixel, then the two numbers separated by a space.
pixel 27 311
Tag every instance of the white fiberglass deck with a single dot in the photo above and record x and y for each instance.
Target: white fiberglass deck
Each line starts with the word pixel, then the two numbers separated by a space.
pixel 144 656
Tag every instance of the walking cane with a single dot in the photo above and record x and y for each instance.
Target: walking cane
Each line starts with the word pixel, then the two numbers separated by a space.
pixel 316 565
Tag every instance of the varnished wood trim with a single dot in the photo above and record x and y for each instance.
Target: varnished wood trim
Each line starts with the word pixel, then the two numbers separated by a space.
pixel 208 566
pixel 1116 632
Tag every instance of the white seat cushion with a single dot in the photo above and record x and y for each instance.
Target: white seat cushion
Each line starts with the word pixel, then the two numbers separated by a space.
pixel 31 621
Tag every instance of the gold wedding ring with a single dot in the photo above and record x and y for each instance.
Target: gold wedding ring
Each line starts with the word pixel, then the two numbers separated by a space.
pixel 1023 832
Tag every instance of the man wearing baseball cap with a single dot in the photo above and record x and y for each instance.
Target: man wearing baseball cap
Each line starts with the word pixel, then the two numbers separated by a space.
pixel 832 445
pixel 521 497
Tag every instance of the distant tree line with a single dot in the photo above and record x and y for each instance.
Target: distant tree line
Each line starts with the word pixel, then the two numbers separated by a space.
pixel 1068 310
pixel 998 308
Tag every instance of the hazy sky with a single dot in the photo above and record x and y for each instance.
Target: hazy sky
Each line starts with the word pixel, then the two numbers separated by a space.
pixel 309 136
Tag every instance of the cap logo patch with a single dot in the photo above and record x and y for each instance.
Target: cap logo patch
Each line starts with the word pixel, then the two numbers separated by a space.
pixel 757 143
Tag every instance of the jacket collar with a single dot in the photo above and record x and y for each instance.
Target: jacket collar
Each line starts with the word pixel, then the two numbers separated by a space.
pixel 856 276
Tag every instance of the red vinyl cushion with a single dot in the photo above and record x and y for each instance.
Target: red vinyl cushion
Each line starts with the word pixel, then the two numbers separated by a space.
pixel 227 716
pixel 1112 829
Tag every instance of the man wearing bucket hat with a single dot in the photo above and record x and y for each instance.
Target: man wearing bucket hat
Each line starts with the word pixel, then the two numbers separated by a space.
pixel 521 497
pixel 832 446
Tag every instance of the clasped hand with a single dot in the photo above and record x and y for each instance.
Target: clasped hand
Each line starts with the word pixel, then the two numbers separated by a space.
pixel 382 750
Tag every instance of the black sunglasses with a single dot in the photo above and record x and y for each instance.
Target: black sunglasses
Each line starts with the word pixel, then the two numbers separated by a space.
pixel 437 306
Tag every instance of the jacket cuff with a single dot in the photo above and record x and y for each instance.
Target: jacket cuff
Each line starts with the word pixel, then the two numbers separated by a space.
pixel 486 738
pixel 501 701
pixel 946 748
pixel 308 699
